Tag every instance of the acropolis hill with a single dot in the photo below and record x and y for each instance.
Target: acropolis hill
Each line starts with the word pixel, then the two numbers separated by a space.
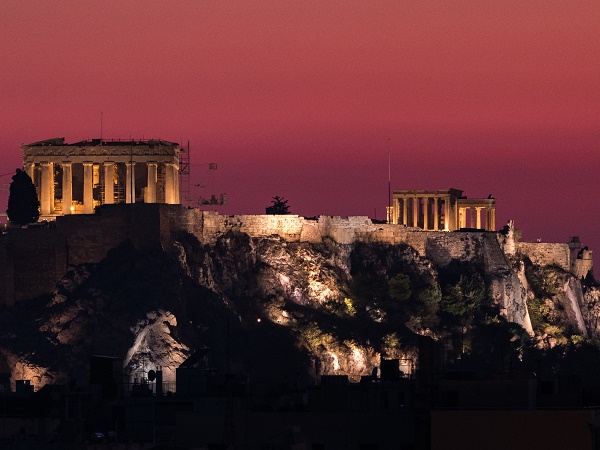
pixel 140 178
pixel 34 259
pixel 163 270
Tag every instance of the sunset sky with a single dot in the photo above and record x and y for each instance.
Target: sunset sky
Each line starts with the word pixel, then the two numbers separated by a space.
pixel 303 99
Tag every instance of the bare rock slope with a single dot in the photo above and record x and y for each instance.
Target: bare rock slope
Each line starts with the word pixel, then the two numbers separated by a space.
pixel 286 311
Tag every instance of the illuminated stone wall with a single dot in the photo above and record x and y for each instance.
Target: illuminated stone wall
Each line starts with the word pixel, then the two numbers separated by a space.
pixel 546 254
pixel 208 226
pixel 583 264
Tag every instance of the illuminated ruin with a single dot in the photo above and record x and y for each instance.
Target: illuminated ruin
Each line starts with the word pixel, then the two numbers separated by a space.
pixel 76 178
pixel 445 210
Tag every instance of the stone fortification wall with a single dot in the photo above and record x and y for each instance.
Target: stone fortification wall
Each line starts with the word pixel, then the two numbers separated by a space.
pixel 33 259
pixel 440 247
pixel 583 264
pixel 88 238
pixel 31 262
pixel 546 254
pixel 175 219
pixel 208 226
pixel 444 247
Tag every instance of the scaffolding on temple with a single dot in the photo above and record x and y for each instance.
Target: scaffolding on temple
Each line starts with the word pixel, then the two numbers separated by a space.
pixel 184 175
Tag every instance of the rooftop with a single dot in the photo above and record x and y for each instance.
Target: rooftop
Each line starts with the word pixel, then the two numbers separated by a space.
pixel 96 142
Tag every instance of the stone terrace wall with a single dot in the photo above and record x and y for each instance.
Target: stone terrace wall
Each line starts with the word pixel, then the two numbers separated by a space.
pixel 546 254
pixel 31 262
pixel 440 247
pixel 444 247
pixel 88 238
pixel 583 265
pixel 208 226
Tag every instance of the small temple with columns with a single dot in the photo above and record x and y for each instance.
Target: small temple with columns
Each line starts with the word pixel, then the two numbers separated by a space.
pixel 444 210
pixel 76 178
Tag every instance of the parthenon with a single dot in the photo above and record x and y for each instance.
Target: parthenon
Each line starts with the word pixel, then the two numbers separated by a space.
pixel 76 178
pixel 445 210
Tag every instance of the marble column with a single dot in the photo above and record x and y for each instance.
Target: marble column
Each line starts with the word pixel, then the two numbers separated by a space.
pixel 395 211
pixel 30 169
pixel 152 178
pixel 425 213
pixel 67 187
pixel 47 188
pixel 446 214
pixel 88 187
pixel 130 183
pixel 171 196
pixel 489 225
pixel 177 197
pixel 492 226
pixel 109 185
pixel 436 217
pixel 415 212
pixel 478 213
pixel 404 212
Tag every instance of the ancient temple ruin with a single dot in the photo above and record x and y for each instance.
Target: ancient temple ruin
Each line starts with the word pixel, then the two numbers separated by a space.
pixel 76 178
pixel 444 210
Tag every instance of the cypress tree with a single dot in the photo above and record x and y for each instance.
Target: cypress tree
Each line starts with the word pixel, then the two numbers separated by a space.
pixel 23 203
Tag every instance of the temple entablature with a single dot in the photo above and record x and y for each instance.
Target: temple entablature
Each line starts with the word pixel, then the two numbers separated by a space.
pixel 443 210
pixel 76 178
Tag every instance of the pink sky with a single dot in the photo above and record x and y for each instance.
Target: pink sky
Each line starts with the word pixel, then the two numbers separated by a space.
pixel 299 98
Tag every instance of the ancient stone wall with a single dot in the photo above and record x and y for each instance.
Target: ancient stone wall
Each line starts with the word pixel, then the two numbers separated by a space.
pixel 444 247
pixel 546 254
pixel 583 264
pixel 87 238
pixel 32 262
pixel 208 226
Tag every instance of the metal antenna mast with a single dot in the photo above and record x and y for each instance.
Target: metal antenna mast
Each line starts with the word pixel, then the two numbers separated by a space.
pixel 389 210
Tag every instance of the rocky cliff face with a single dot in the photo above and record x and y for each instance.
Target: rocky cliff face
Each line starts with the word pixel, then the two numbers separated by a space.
pixel 280 310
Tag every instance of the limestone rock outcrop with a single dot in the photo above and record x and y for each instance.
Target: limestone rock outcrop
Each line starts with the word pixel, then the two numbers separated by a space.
pixel 287 307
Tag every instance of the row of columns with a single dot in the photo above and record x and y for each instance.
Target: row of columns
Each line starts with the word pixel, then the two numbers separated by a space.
pixel 416 210
pixel 46 193
pixel 475 216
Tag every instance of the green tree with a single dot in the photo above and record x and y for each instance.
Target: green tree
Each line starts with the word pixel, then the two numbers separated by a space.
pixel 429 305
pixel 465 298
pixel 279 206
pixel 399 288
pixel 23 203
